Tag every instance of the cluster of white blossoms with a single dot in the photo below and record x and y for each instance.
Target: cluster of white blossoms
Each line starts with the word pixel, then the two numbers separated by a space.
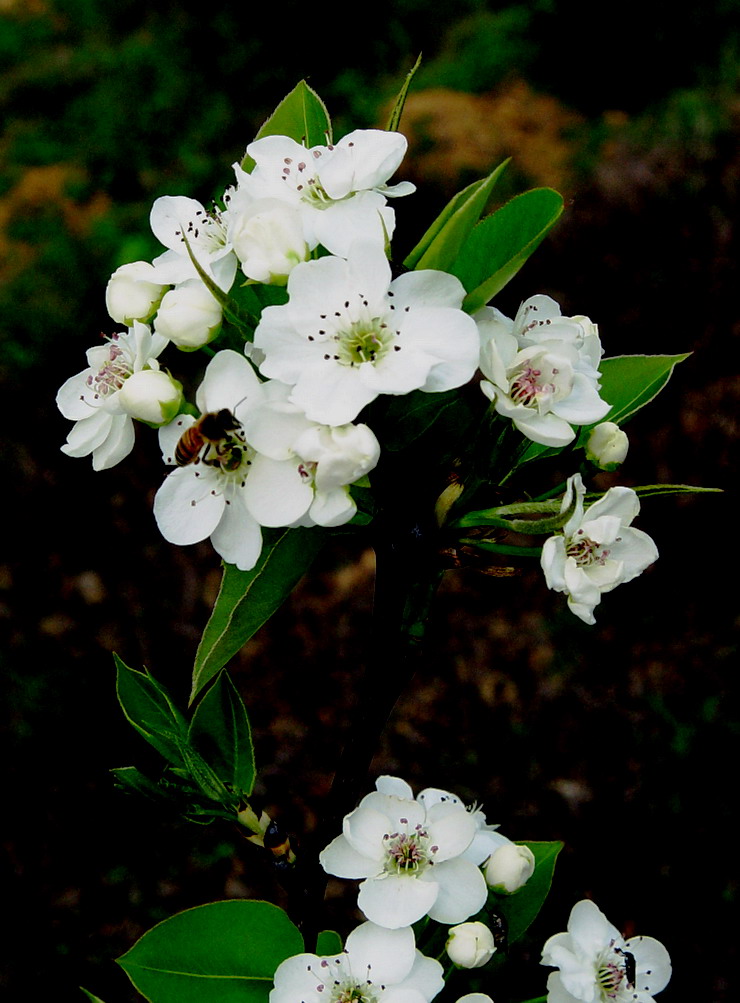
pixel 274 438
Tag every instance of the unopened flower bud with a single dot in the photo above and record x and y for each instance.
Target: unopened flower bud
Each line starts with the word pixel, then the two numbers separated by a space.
pixel 470 945
pixel 509 868
pixel 132 294
pixel 475 998
pixel 607 446
pixel 189 316
pixel 268 241
pixel 151 395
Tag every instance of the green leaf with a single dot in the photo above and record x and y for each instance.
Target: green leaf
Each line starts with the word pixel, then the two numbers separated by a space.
pixel 440 245
pixel 245 323
pixel 395 116
pixel 328 942
pixel 224 952
pixel 93 999
pixel 248 598
pixel 497 517
pixel 130 779
pixel 302 116
pixel 629 382
pixel 499 245
pixel 220 731
pixel 149 708
pixel 409 416
pixel 520 909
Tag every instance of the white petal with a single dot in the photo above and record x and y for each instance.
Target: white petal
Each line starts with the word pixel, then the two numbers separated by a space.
pixel 88 433
pixel 451 828
pixel 425 978
pixel 188 508
pixel 394 786
pixel 229 380
pixel 388 955
pixel 117 445
pixel 238 537
pixel 462 891
pixel 275 492
pixel 342 860
pixel 590 929
pixel 396 900
pixel 652 964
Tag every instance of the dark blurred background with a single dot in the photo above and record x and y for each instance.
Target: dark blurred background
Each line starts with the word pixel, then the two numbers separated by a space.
pixel 620 739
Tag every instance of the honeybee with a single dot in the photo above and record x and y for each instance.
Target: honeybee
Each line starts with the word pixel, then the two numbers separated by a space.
pixel 220 431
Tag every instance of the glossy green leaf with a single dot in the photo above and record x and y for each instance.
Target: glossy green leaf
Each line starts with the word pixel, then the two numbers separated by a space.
pixel 130 779
pixel 224 952
pixel 629 382
pixel 93 999
pixel 410 416
pixel 441 244
pixel 220 732
pixel 248 598
pixel 498 246
pixel 395 116
pixel 149 708
pixel 302 116
pixel 520 909
pixel 328 942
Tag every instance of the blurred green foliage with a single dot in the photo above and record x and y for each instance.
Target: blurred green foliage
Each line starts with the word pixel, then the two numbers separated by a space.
pixel 109 103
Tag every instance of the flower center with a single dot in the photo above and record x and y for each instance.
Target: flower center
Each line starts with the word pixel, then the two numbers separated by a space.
pixel 363 341
pixel 344 987
pixel 538 379
pixel 585 551
pixel 616 971
pixel 408 852
pixel 115 370
pixel 299 175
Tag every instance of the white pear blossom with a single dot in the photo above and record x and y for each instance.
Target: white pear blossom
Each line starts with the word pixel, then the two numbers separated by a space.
pixel 541 369
pixel 376 966
pixel 598 549
pixel 509 868
pixel 189 316
pixel 475 998
pixel 328 459
pixel 211 493
pixel 607 446
pixel 268 240
pixel 133 293
pixel 348 333
pixel 470 945
pixel 339 190
pixel 597 965
pixel 93 398
pixel 411 855
pixel 180 222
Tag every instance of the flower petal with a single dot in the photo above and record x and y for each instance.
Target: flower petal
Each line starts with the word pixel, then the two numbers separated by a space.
pixel 462 891
pixel 396 900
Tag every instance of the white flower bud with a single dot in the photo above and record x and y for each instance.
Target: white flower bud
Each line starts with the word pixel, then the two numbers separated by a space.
pixel 132 294
pixel 470 945
pixel 189 316
pixel 509 868
pixel 607 446
pixel 268 241
pixel 151 395
pixel 475 998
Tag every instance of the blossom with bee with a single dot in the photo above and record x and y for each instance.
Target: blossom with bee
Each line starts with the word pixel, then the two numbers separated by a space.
pixel 122 381
pixel 598 549
pixel 417 856
pixel 597 965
